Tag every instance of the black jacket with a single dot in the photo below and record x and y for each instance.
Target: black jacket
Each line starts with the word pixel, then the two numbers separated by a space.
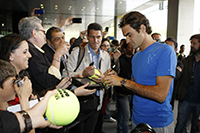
pixel 184 81
pixel 38 71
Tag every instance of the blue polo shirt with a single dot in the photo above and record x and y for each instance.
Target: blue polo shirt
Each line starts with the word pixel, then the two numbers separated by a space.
pixel 156 60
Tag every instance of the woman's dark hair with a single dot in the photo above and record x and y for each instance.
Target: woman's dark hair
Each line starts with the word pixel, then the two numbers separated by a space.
pixel 8 44
pixel 105 39
pixel 135 20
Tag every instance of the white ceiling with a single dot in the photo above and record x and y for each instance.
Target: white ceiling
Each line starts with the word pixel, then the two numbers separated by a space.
pixel 95 10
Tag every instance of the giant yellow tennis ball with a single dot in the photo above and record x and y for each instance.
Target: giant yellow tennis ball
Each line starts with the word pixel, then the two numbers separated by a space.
pixel 96 71
pixel 63 107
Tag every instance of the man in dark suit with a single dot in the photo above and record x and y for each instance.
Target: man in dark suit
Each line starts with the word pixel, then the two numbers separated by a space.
pixel 55 38
pixel 43 74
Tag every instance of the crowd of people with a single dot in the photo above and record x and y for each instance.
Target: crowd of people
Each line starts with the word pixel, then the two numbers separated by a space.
pixel 145 74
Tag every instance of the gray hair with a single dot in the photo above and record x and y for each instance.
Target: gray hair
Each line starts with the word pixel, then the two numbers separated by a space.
pixel 27 25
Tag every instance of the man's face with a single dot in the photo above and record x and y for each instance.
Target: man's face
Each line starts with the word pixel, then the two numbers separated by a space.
pixel 195 46
pixel 132 36
pixel 157 37
pixel 57 39
pixel 94 39
pixel 8 91
pixel 41 37
pixel 170 43
pixel 130 50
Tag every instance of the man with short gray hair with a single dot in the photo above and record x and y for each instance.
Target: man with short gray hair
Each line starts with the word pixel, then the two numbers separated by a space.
pixel 43 74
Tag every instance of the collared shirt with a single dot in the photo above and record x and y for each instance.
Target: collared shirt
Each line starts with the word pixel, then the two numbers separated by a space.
pixel 95 57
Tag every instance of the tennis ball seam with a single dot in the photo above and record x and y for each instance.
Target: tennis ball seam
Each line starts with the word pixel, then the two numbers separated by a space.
pixel 52 113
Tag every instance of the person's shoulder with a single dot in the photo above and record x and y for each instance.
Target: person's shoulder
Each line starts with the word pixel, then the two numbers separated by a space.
pixel 105 53
pixel 164 47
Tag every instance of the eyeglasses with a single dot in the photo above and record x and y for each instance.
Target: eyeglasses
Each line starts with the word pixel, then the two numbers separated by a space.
pixel 41 30
pixel 104 45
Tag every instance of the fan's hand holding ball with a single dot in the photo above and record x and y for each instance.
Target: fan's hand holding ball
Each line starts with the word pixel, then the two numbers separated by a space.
pixel 96 71
pixel 63 107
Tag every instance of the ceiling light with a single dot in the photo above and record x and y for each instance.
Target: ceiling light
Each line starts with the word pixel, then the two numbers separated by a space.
pixel 2 24
pixel 89 0
pixel 45 18
pixel 120 2
pixel 83 7
pixel 55 19
pixel 42 7
pixel 56 8
pixel 69 9
pixel 56 5
pixel 41 4
pixel 97 8
pixel 70 6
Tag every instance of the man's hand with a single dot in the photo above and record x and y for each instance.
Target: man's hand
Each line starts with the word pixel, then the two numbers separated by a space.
pixel 99 79
pixel 37 112
pixel 63 49
pixel 66 22
pixel 83 34
pixel 64 83
pixel 112 80
pixel 25 91
pixel 116 55
pixel 81 91
pixel 33 12
pixel 88 71
pixel 110 72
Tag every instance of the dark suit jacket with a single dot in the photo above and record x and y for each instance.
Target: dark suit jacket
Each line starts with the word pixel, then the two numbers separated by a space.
pixel 183 83
pixel 38 71
pixel 49 53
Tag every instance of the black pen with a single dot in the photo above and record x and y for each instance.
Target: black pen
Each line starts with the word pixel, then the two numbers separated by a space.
pixel 91 64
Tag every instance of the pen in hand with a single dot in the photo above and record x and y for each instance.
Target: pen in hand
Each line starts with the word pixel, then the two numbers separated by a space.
pixel 112 68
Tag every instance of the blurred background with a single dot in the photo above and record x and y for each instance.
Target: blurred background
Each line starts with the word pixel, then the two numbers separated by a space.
pixel 167 17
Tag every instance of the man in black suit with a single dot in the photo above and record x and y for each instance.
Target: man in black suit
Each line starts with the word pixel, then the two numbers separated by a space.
pixel 55 38
pixel 43 74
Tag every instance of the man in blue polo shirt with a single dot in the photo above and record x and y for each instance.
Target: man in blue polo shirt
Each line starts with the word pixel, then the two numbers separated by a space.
pixel 153 72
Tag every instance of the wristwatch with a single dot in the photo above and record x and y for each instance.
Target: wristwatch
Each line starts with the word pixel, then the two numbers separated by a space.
pixel 123 82
pixel 27 120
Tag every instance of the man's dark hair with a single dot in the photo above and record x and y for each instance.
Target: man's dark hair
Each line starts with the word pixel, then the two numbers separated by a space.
pixel 115 42
pixel 70 41
pixel 8 45
pixel 196 36
pixel 155 34
pixel 94 26
pixel 135 20
pixel 124 45
pixel 50 31
pixel 6 70
pixel 172 40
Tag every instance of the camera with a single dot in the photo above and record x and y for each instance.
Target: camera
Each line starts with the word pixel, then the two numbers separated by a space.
pixel 40 11
pixel 77 20
pixel 112 49
pixel 19 82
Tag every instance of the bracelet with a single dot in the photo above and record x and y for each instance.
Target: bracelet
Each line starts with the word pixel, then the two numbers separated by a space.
pixel 27 121
pixel 56 60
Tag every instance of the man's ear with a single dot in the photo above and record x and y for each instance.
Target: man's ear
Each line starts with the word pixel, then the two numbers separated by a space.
pixel 143 28
pixel 49 42
pixel 34 33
